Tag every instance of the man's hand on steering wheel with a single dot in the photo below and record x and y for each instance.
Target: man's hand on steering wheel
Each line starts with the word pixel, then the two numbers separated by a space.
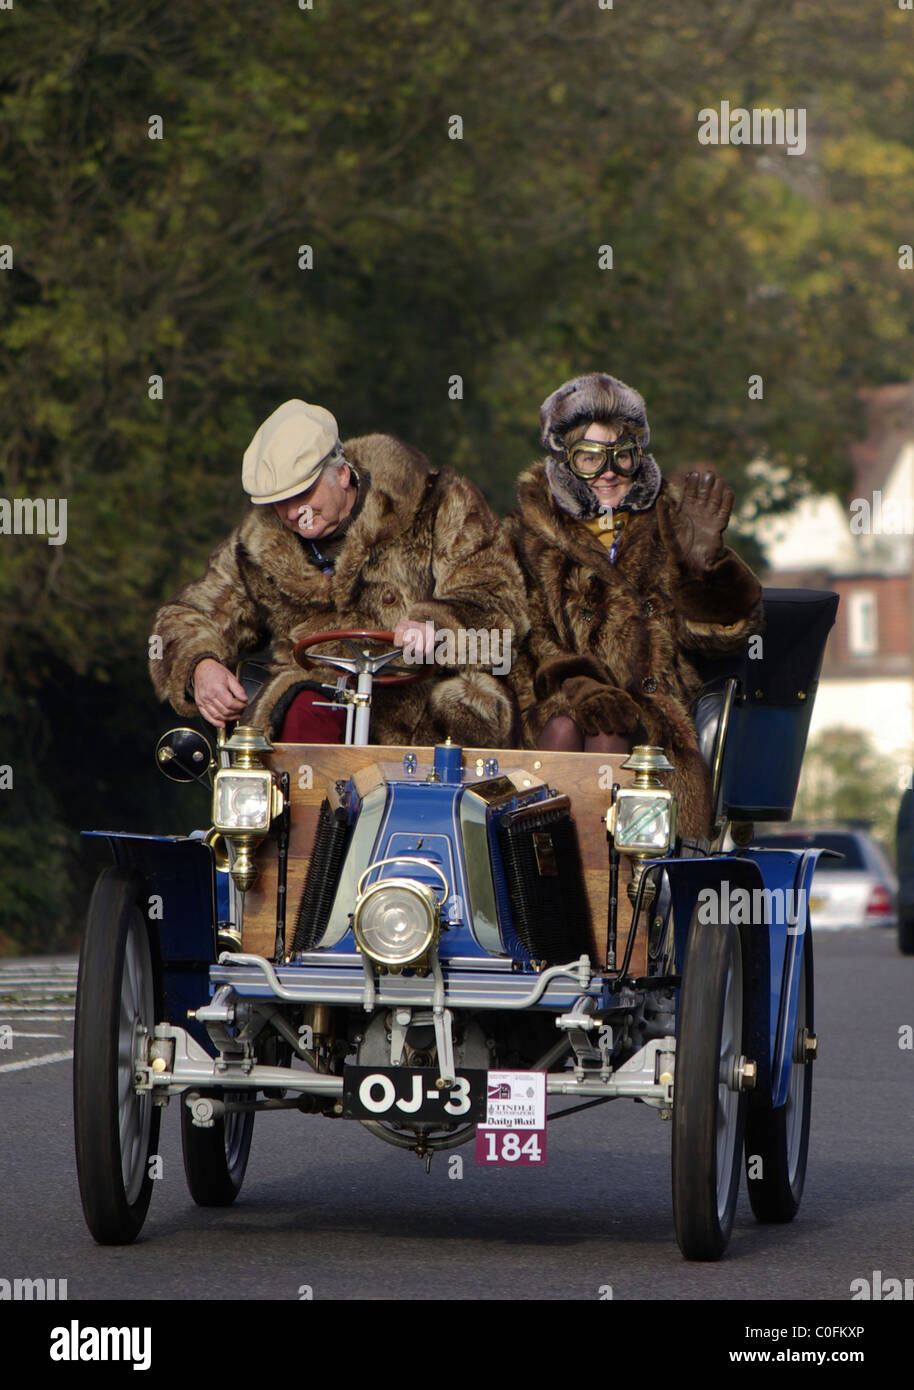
pixel 419 636
pixel 301 652
pixel 217 693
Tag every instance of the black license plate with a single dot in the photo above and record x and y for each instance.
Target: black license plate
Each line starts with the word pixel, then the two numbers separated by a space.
pixel 409 1093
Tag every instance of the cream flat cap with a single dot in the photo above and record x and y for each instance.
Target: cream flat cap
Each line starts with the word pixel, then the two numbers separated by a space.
pixel 285 456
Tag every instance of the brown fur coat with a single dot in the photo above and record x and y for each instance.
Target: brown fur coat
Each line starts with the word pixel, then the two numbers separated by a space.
pixel 425 546
pixel 610 645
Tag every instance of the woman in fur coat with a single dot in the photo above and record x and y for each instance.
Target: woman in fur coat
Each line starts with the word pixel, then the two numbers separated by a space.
pixel 627 580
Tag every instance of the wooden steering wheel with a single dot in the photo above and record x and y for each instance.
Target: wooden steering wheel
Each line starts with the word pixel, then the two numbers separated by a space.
pixel 301 649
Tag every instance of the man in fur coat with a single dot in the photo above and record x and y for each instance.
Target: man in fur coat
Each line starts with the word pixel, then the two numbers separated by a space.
pixel 359 535
pixel 627 579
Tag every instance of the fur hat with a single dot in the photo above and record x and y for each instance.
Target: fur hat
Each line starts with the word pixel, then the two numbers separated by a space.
pixel 595 396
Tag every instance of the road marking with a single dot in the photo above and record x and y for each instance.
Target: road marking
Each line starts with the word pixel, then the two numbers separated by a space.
pixel 35 1035
pixel 38 1061
pixel 40 1018
pixel 16 1011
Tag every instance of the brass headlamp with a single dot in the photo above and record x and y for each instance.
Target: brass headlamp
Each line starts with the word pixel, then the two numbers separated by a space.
pixel 246 799
pixel 397 921
pixel 642 819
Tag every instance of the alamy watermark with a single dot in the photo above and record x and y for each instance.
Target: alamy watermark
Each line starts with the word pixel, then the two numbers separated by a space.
pixel 31 1290
pixel 762 125
pixel 875 517
pixel 777 906
pixel 882 1290
pixel 428 645
pixel 80 1343
pixel 34 516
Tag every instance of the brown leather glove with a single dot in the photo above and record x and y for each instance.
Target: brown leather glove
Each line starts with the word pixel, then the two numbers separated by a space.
pixel 693 530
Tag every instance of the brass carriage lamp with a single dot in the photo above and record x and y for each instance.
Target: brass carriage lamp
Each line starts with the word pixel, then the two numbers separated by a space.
pixel 247 798
pixel 642 818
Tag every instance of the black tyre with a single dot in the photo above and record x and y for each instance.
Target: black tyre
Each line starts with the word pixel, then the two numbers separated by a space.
pixel 117 1129
pixel 215 1159
pixel 777 1141
pixel 708 1115
pixel 906 935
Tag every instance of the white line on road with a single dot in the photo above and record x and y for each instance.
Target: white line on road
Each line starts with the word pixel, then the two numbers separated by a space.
pixel 33 1007
pixel 42 1018
pixel 35 1035
pixel 37 1061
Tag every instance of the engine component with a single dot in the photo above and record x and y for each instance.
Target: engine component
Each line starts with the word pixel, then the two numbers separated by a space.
pixel 330 843
pixel 545 880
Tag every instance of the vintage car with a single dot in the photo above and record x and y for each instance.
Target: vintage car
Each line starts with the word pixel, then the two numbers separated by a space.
pixel 444 944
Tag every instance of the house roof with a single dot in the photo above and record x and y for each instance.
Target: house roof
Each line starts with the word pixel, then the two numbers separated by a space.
pixel 889 417
pixel 817 533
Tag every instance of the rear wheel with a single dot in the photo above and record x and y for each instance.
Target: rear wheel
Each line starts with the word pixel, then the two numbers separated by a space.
pixel 708 1114
pixel 777 1141
pixel 117 1128
pixel 216 1158
pixel 906 935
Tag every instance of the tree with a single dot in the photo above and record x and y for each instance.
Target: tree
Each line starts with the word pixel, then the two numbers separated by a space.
pixel 157 308
pixel 845 778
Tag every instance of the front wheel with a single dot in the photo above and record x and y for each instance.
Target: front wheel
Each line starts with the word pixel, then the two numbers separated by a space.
pixel 708 1113
pixel 216 1158
pixel 117 1127
pixel 777 1140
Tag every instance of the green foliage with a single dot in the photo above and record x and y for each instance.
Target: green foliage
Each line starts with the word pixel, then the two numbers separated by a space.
pixel 845 778
pixel 178 257
pixel 33 837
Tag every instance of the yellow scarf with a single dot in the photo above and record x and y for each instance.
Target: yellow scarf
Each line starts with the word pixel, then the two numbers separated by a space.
pixel 607 534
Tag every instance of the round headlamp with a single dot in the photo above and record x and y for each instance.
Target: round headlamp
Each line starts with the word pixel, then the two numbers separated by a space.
pixel 395 921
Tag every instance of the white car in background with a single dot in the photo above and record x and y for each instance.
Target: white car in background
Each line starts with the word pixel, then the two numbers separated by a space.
pixel 859 890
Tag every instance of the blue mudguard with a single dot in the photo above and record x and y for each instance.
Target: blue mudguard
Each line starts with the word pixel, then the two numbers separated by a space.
pixel 690 877
pixel 793 870
pixel 773 934
pixel 179 876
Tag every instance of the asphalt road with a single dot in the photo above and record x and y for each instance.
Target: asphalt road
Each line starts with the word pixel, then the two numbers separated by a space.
pixel 330 1213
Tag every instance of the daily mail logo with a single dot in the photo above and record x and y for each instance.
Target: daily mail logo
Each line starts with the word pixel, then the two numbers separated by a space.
pixel 516 1100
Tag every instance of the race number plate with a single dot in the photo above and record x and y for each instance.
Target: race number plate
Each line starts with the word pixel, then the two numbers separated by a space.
pixel 510 1146
pixel 514 1129
pixel 410 1093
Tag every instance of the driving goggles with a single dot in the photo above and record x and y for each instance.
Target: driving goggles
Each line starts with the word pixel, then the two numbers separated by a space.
pixel 588 458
